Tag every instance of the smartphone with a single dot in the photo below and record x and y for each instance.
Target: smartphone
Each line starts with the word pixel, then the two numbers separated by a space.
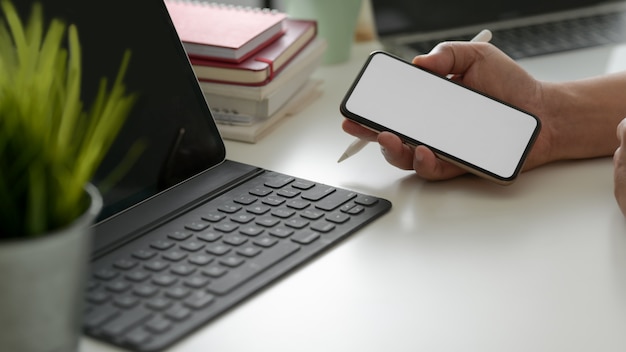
pixel 479 133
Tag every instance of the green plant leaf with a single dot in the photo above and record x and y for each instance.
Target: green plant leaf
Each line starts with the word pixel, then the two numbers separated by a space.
pixel 50 146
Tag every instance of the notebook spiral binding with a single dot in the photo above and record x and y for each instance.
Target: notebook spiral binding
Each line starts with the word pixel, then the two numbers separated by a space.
pixel 228 6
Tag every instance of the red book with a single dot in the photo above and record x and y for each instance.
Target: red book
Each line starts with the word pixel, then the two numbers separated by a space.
pixel 260 68
pixel 224 32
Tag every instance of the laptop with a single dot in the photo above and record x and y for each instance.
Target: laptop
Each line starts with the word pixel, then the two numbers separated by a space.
pixel 185 234
pixel 521 29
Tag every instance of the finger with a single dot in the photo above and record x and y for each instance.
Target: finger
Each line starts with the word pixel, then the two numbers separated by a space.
pixel 395 152
pixel 452 57
pixel 428 166
pixel 619 175
pixel 619 157
pixel 359 131
pixel 621 131
pixel 421 159
pixel 619 162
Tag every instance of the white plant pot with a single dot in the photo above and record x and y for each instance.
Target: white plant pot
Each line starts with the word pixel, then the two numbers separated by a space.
pixel 42 286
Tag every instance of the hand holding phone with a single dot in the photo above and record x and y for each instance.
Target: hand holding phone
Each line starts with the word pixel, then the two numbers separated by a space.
pixel 479 133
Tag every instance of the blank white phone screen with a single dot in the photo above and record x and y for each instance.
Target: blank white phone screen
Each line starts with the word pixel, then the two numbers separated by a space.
pixel 445 116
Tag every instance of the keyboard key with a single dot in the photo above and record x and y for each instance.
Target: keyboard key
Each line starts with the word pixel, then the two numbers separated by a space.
pixel 271 256
pixel 145 290
pixel 158 303
pixel 137 276
pixel 157 265
pixel 158 325
pixel 229 208
pixel 209 236
pixel 265 241
pixel 283 213
pixel 226 227
pixel 192 246
pixel 162 244
pixel 196 282
pixel 298 204
pixel 366 200
pixel 273 200
pixel 98 297
pixel 251 231
pixel 337 218
pixel 177 292
pixel 355 210
pixel 164 280
pixel 124 264
pixel 242 218
pixel 245 199
pixel 231 261
pixel 198 300
pixel 196 226
pixel 279 181
pixel 312 214
pixel 318 193
pixel 303 185
pixel 267 221
pixel 249 251
pixel 258 209
pixel 200 259
pixel 98 316
pixel 218 249
pixel 323 226
pixel 297 223
pixel 175 255
pixel 137 337
pixel 178 313
pixel 118 286
pixel 214 271
pixel 214 217
pixel 124 322
pixel 235 240
pixel 106 274
pixel 335 200
pixel 144 254
pixel 179 235
pixel 281 232
pixel 260 191
pixel 182 269
pixel 305 237
pixel 125 301
pixel 288 193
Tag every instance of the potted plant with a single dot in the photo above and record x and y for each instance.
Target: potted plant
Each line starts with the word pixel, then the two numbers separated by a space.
pixel 50 148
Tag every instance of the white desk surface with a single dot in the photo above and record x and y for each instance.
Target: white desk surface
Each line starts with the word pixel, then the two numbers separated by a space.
pixel 460 265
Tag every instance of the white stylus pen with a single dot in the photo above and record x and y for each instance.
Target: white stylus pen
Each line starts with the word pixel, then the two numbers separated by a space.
pixel 358 144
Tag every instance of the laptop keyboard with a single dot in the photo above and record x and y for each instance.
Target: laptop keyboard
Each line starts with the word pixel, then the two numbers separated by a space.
pixel 552 37
pixel 151 292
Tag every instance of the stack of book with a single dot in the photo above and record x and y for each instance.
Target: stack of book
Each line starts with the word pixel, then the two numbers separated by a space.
pixel 254 65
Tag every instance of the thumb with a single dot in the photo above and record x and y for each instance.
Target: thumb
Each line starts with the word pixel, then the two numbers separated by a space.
pixel 452 57
pixel 619 160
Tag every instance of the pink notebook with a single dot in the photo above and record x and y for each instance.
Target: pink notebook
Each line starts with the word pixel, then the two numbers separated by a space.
pixel 262 66
pixel 223 32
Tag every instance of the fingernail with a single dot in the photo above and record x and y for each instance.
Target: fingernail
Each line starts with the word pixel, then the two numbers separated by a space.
pixel 418 156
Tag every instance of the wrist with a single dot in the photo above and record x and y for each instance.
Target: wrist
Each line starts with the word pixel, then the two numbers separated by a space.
pixel 579 121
